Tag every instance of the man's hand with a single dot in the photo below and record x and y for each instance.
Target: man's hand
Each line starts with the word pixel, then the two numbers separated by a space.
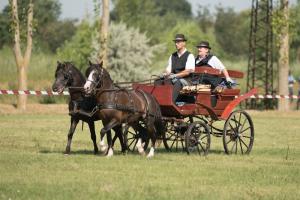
pixel 229 82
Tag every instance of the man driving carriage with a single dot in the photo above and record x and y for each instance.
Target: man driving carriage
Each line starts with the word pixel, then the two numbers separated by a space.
pixel 205 58
pixel 181 63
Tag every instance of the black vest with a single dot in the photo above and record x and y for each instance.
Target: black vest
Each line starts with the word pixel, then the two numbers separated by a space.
pixel 178 63
pixel 204 61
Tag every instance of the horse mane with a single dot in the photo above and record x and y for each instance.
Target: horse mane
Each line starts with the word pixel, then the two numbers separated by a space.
pixel 73 68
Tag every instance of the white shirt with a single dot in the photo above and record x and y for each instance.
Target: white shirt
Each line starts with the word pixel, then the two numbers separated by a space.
pixel 214 62
pixel 190 63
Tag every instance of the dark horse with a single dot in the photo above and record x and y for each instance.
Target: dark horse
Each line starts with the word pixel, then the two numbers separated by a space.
pixel 117 106
pixel 68 76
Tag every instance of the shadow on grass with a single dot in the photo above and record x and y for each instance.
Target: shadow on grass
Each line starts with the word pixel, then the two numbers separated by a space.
pixel 118 152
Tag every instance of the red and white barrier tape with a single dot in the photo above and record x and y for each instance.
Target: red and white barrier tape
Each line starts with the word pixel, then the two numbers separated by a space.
pixel 31 92
pixel 65 93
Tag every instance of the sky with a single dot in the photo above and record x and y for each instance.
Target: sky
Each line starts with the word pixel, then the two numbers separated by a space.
pixel 80 8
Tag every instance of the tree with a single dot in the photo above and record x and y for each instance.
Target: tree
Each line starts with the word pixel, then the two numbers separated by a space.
pixel 22 61
pixel 204 18
pixel 153 17
pixel 283 61
pixel 232 30
pixel 104 32
pixel 50 31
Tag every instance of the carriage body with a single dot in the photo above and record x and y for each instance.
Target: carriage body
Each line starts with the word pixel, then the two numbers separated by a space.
pixel 189 125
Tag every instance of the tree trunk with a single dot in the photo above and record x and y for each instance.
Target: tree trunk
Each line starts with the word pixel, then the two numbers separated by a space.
pixel 22 62
pixel 283 104
pixel 104 32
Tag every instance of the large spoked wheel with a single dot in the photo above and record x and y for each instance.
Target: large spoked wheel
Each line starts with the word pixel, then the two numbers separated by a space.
pixel 238 133
pixel 197 138
pixel 173 138
pixel 131 136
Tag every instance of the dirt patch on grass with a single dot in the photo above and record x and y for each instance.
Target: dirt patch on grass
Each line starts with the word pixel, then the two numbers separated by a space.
pixel 35 108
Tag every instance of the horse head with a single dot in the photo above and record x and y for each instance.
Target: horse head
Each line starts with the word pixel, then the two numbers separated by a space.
pixel 63 76
pixel 97 77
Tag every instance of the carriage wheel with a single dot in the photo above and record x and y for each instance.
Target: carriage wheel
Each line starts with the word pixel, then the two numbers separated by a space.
pixel 131 137
pixel 238 133
pixel 197 138
pixel 173 138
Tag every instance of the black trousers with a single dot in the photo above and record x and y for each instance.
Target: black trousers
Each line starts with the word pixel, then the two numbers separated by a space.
pixel 208 79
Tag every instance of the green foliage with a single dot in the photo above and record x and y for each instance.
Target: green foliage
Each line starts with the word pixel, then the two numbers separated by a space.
pixel 232 31
pixel 295 32
pixel 204 18
pixel 130 55
pixel 194 35
pixel 151 17
pixel 79 48
pixel 49 31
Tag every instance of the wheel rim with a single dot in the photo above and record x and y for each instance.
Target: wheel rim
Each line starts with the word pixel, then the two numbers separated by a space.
pixel 173 139
pixel 197 138
pixel 131 138
pixel 238 133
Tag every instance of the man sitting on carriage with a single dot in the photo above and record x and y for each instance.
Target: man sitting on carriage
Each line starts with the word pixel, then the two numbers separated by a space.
pixel 205 58
pixel 181 63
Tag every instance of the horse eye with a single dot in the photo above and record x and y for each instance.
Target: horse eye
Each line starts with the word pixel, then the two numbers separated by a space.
pixel 66 76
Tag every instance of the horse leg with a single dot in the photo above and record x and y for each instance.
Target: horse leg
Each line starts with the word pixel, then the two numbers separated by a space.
pixel 140 144
pixel 107 129
pixel 151 130
pixel 119 134
pixel 93 136
pixel 74 122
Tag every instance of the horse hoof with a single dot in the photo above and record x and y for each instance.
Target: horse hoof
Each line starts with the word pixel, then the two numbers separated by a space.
pixel 110 153
pixel 150 156
pixel 66 153
pixel 103 148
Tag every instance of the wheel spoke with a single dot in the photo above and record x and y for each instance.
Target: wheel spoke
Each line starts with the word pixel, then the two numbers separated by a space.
pixel 243 123
pixel 201 146
pixel 231 127
pixel 235 146
pixel 245 129
pixel 244 143
pixel 241 146
pixel 235 121
pixel 232 147
pixel 229 141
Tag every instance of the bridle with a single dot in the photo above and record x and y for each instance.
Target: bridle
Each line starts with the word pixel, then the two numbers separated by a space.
pixel 98 84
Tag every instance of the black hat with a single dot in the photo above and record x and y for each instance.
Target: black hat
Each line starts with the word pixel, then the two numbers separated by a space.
pixel 204 44
pixel 179 37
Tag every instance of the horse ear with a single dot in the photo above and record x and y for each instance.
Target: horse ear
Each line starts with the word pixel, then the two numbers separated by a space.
pixel 101 63
pixel 58 63
pixel 90 63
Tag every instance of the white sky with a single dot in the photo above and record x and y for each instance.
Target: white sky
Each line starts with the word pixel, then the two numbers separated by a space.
pixel 80 8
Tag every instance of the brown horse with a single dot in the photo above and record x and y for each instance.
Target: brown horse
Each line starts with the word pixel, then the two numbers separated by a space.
pixel 118 106
pixel 68 76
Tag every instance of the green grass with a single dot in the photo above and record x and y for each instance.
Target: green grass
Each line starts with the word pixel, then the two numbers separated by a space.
pixel 32 165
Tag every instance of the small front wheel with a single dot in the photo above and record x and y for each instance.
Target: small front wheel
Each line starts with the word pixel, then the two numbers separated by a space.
pixel 197 138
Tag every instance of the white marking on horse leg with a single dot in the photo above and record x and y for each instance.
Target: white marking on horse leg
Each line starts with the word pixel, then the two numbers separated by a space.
pixel 110 152
pixel 140 147
pixel 103 146
pixel 151 153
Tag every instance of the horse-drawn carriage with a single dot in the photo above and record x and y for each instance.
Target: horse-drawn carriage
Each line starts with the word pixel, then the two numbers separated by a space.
pixel 148 112
pixel 189 126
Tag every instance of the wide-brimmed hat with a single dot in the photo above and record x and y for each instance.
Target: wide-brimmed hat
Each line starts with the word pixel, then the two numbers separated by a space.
pixel 204 44
pixel 180 37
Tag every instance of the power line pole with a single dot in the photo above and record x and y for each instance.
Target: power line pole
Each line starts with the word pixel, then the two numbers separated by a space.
pixel 260 63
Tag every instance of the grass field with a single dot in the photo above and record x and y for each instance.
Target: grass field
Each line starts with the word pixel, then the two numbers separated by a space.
pixel 32 165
